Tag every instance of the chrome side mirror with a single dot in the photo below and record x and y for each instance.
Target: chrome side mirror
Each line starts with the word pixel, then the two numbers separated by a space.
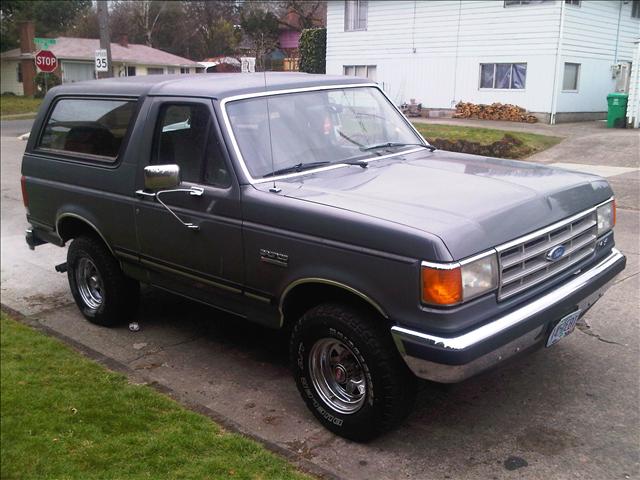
pixel 161 177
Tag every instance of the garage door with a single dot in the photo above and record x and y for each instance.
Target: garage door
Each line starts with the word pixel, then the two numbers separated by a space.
pixel 77 72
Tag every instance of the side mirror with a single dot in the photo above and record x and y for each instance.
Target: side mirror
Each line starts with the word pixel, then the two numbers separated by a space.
pixel 161 177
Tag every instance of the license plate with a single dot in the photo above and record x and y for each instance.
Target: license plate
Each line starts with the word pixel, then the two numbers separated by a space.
pixel 563 328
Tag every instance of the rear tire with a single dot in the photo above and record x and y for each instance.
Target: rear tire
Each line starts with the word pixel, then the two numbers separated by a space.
pixel 349 372
pixel 104 295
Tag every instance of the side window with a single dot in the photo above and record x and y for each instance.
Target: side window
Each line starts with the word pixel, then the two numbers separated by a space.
pixel 185 137
pixel 88 126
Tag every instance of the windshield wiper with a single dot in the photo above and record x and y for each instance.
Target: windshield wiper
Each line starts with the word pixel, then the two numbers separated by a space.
pixel 396 144
pixel 298 167
pixel 359 163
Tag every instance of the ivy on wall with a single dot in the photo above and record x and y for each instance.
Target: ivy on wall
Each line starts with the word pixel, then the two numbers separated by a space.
pixel 313 50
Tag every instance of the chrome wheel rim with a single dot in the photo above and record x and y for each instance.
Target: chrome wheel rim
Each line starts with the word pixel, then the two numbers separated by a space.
pixel 337 375
pixel 89 283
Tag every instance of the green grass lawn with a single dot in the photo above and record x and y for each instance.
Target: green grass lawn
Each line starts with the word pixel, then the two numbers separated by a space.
pixel 535 142
pixel 66 417
pixel 12 105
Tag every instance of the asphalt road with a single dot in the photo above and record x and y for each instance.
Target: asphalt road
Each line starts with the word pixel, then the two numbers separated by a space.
pixel 568 412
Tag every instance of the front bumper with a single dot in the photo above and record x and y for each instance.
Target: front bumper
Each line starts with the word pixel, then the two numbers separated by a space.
pixel 452 359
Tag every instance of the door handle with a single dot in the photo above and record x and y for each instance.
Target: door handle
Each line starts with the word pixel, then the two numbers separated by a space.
pixel 193 191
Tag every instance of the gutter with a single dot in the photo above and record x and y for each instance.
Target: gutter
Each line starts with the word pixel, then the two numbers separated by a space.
pixel 554 95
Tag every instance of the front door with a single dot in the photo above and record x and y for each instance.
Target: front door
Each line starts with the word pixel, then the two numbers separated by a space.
pixel 205 262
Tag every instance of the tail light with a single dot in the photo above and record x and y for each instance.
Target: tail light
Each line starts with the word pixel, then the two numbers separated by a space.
pixel 25 196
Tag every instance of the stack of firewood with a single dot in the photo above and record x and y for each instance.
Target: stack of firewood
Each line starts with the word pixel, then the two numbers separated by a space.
pixel 495 111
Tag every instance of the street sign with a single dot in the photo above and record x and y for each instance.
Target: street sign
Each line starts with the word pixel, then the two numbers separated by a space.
pixel 44 43
pixel 46 61
pixel 102 64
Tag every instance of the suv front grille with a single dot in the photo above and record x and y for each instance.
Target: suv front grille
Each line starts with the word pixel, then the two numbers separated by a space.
pixel 523 262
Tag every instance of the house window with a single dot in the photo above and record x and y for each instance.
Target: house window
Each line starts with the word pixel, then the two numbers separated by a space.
pixel 365 71
pixel 355 15
pixel 511 76
pixel 184 70
pixel 19 72
pixel 131 71
pixel 155 71
pixel 575 3
pixel 510 3
pixel 570 79
pixel 635 9
pixel 171 70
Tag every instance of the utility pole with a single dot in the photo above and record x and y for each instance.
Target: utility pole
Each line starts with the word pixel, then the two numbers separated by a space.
pixel 105 37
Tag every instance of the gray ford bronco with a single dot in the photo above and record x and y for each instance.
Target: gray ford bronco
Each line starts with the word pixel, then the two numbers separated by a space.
pixel 309 203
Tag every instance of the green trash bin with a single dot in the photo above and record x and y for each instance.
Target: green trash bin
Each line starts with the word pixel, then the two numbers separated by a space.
pixel 617 113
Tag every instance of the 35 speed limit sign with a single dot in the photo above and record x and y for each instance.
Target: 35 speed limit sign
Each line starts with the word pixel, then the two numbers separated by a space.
pixel 102 65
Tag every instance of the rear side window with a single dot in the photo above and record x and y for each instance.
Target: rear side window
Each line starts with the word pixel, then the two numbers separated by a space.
pixel 88 126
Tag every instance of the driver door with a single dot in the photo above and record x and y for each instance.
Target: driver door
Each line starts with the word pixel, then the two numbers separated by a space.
pixel 205 262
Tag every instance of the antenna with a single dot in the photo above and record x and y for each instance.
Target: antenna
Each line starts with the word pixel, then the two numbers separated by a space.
pixel 273 189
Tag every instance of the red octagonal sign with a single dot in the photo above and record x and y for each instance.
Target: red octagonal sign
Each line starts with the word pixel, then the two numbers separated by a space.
pixel 46 61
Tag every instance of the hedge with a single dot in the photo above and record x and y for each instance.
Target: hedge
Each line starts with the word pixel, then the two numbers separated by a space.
pixel 313 50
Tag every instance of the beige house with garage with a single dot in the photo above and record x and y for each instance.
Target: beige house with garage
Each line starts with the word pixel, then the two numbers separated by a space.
pixel 76 61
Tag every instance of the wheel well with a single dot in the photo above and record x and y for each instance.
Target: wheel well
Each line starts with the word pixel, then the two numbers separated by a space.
pixel 305 296
pixel 73 227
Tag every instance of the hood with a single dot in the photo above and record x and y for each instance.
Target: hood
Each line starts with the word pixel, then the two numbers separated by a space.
pixel 472 203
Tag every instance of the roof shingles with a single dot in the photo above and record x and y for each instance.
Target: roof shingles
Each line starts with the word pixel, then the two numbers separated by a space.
pixel 67 48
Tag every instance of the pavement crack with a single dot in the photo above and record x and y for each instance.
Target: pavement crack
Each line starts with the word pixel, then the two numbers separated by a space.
pixel 620 280
pixel 164 347
pixel 586 329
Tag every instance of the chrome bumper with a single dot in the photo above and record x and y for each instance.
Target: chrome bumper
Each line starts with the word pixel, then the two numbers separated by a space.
pixel 451 373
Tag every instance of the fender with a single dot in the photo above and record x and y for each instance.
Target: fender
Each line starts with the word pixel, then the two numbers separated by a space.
pixel 83 219
pixel 333 283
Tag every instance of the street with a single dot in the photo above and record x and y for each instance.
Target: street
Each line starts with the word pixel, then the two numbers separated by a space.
pixel 567 412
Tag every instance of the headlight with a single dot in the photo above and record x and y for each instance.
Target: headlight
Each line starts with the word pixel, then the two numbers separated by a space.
pixel 606 216
pixel 450 284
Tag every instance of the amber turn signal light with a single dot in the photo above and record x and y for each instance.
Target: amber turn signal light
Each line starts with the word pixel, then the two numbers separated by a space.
pixel 441 286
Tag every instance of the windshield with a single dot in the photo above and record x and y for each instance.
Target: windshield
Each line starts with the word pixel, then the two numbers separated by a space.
pixel 316 128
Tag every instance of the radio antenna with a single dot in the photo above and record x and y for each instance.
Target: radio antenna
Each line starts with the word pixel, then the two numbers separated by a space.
pixel 273 189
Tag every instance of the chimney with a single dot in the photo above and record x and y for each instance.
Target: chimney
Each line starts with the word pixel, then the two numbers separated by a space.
pixel 27 48
pixel 124 41
pixel 27 32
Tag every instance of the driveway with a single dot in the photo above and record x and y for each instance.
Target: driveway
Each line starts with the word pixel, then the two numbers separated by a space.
pixel 567 412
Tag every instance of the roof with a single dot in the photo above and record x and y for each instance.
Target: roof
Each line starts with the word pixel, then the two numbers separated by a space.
pixel 210 85
pixel 68 48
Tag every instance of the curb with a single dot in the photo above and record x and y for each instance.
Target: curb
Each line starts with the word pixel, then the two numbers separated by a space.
pixel 226 423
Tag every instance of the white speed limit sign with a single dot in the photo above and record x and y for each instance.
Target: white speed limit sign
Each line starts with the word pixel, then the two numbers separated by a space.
pixel 102 65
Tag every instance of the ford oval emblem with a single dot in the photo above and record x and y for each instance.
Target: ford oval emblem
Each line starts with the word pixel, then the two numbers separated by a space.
pixel 555 253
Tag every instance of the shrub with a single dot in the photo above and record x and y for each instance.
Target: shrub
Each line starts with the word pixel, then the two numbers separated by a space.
pixel 45 82
pixel 313 50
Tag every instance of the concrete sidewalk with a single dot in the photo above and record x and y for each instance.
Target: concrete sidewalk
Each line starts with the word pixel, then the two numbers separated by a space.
pixel 563 413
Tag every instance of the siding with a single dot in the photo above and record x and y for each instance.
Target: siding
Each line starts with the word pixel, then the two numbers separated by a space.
pixel 593 39
pixel 431 51
pixel 9 81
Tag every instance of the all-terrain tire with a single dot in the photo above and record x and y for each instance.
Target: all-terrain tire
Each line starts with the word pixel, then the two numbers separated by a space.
pixel 119 295
pixel 389 385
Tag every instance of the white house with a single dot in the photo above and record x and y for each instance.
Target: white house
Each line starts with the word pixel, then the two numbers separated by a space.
pixel 556 58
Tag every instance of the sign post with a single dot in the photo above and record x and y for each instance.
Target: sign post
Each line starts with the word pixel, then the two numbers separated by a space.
pixel 102 62
pixel 44 44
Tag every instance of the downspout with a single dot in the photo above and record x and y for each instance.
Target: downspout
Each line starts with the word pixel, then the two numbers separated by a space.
pixel 615 55
pixel 455 67
pixel 554 95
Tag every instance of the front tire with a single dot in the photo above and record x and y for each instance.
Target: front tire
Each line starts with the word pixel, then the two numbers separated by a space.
pixel 349 373
pixel 104 295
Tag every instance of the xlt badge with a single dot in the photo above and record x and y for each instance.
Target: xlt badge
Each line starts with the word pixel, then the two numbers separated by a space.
pixel 275 258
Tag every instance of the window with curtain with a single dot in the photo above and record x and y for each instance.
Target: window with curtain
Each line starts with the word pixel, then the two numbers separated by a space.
pixel 570 78
pixel 635 9
pixel 575 3
pixel 355 15
pixel 503 75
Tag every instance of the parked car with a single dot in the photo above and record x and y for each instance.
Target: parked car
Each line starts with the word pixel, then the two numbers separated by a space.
pixel 309 203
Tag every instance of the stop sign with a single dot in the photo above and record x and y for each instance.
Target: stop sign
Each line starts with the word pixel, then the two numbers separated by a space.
pixel 46 61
